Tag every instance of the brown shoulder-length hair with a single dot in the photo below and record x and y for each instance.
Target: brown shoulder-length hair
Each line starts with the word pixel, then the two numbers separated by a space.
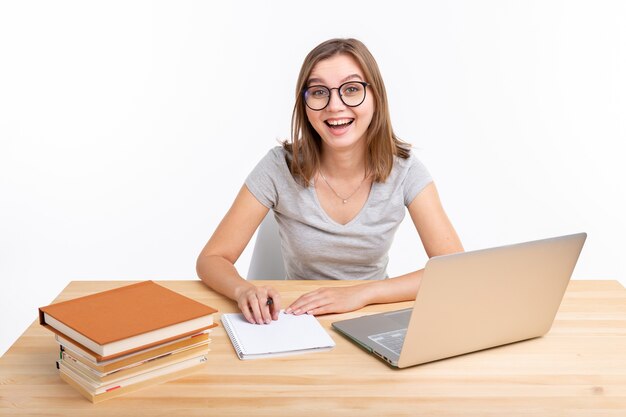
pixel 381 143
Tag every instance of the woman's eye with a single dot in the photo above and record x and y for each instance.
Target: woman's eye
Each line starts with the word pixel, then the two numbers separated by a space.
pixel 318 92
pixel 351 89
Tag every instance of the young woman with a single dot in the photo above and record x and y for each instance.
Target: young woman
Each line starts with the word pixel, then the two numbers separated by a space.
pixel 338 190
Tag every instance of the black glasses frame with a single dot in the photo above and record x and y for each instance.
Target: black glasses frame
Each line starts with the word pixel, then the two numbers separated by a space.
pixel 363 83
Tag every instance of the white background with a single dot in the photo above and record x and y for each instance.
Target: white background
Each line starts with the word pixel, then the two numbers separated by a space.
pixel 126 128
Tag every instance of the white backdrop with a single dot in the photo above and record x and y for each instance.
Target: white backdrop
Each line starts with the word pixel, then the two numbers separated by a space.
pixel 126 128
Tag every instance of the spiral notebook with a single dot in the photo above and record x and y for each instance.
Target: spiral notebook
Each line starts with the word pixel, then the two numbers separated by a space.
pixel 288 335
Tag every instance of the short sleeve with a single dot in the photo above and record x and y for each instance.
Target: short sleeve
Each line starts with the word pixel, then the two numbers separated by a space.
pixel 261 181
pixel 417 178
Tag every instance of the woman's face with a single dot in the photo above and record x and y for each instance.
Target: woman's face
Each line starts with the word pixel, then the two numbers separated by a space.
pixel 340 126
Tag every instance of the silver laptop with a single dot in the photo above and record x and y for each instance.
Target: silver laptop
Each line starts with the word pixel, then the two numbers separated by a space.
pixel 472 301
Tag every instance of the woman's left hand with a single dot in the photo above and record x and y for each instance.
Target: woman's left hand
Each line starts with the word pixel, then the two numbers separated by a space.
pixel 329 300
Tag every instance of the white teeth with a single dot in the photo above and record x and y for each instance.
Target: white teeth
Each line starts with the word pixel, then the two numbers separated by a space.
pixel 338 122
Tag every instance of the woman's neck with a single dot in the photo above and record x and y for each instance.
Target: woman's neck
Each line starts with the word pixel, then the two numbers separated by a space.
pixel 343 163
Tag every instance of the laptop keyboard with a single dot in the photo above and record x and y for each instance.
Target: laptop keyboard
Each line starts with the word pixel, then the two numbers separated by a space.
pixel 392 340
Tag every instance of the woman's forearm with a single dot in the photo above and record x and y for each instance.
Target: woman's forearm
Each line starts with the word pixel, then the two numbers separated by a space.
pixel 402 288
pixel 220 275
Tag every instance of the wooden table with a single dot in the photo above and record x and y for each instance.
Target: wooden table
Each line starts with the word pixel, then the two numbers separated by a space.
pixel 578 369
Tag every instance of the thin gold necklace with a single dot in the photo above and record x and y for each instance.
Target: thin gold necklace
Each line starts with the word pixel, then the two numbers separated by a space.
pixel 343 199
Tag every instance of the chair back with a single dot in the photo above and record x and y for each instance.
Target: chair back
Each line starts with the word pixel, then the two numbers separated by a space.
pixel 267 258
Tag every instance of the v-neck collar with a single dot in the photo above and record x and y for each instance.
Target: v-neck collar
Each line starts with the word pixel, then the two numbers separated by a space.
pixel 356 217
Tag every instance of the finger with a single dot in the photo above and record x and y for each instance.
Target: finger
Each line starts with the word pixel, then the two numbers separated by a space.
pixel 265 305
pixel 276 303
pixel 255 308
pixel 300 301
pixel 294 306
pixel 245 309
pixel 319 311
pixel 309 305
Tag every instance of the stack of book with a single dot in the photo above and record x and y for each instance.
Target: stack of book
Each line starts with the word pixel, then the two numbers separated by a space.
pixel 121 340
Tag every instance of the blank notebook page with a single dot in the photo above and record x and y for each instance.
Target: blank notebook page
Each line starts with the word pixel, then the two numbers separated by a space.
pixel 288 334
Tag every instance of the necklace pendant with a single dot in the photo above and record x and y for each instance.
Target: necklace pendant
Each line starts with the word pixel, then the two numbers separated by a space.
pixel 343 200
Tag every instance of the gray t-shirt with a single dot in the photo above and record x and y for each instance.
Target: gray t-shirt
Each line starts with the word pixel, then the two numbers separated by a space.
pixel 314 246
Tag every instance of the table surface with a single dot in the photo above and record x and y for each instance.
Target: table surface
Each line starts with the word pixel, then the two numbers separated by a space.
pixel 577 369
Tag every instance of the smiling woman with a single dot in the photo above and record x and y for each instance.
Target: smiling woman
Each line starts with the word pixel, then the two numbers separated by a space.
pixel 339 189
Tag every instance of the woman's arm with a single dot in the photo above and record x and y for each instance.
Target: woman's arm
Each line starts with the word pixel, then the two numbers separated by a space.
pixel 433 226
pixel 438 237
pixel 215 264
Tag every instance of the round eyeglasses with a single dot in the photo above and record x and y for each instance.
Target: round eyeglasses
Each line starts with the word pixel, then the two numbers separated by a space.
pixel 352 94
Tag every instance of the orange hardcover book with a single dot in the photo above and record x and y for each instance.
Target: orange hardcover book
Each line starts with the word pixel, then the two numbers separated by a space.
pixel 117 322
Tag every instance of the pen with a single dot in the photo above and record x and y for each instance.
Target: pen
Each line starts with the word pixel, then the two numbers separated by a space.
pixel 270 301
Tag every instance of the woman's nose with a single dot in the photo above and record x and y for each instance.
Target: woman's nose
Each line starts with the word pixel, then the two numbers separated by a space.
pixel 335 102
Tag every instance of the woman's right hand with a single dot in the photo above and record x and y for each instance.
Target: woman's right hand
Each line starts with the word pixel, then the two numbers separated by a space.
pixel 254 302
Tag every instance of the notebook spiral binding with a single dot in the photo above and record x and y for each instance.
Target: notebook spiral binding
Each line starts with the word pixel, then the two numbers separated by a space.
pixel 232 336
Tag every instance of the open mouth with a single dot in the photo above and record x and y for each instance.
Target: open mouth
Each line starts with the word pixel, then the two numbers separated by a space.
pixel 339 124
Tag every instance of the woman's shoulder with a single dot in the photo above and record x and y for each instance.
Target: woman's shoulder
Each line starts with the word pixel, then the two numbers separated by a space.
pixel 275 154
pixel 274 160
pixel 412 162
pixel 411 175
